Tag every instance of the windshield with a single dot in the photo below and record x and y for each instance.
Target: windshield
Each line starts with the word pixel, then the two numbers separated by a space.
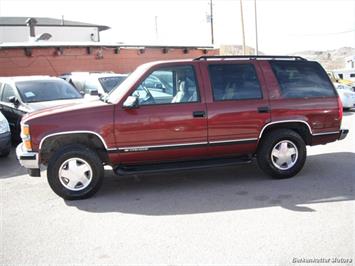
pixel 109 83
pixel 117 93
pixel 46 90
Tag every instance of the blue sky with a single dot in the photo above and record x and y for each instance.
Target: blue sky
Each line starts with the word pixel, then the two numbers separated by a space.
pixel 284 26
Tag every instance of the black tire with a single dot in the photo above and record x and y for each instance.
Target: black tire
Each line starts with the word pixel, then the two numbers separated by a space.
pixel 84 154
pixel 271 141
pixel 5 153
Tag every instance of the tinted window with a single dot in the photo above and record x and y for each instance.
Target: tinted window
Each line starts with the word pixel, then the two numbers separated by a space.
pixel 109 83
pixel 234 82
pixel 302 79
pixel 170 85
pixel 352 75
pixel 46 90
pixel 8 91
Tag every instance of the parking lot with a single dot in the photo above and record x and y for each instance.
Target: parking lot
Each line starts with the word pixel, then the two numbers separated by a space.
pixel 233 215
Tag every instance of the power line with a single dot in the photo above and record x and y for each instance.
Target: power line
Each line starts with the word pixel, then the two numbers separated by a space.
pixel 325 34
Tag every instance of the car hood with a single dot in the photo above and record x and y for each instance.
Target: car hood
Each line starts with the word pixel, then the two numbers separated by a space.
pixel 61 107
pixel 50 104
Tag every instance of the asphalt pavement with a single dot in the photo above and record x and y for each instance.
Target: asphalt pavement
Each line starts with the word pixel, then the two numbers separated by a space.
pixel 222 216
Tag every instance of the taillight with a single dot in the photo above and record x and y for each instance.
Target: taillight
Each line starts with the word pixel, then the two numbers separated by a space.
pixel 340 111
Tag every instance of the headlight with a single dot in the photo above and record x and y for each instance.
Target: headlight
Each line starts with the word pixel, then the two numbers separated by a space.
pixel 4 125
pixel 26 138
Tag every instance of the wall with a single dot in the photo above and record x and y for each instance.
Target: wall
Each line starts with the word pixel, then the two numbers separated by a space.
pixel 59 34
pixel 14 34
pixel 50 61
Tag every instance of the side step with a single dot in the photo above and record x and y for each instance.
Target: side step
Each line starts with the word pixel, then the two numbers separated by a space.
pixel 122 170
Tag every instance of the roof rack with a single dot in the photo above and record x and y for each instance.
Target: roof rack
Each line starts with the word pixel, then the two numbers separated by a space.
pixel 250 57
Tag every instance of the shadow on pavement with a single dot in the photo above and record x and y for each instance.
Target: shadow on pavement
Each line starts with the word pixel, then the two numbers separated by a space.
pixel 7 164
pixel 349 112
pixel 325 178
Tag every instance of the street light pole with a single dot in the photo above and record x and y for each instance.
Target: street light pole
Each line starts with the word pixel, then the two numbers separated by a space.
pixel 256 30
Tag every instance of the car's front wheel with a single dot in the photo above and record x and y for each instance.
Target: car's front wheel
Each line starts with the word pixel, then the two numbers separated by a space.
pixel 75 172
pixel 282 153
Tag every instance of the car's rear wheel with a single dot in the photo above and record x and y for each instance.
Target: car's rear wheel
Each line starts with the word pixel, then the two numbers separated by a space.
pixel 282 153
pixel 75 172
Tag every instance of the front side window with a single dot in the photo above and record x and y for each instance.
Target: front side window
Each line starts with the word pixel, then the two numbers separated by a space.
pixel 302 79
pixel 7 93
pixel 234 82
pixel 46 90
pixel 168 86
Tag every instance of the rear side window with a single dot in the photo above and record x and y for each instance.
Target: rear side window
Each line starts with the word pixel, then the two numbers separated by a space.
pixel 234 82
pixel 302 79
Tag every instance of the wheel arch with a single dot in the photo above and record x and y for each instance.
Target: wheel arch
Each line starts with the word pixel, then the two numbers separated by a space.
pixel 299 126
pixel 92 140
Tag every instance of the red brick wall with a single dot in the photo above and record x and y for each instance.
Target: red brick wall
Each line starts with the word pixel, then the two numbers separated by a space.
pixel 50 61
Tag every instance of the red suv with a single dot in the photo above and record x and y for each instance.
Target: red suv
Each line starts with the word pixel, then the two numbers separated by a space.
pixel 209 111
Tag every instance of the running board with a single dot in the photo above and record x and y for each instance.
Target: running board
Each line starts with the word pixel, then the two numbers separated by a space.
pixel 123 170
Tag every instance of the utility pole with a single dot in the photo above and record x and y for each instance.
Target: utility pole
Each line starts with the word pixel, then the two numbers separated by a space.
pixel 211 19
pixel 242 19
pixel 156 28
pixel 256 30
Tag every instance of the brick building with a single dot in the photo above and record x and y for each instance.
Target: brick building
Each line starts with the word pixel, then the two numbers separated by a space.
pixel 49 58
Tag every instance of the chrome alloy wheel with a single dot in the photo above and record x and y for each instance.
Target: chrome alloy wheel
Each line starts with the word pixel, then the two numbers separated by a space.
pixel 284 155
pixel 75 174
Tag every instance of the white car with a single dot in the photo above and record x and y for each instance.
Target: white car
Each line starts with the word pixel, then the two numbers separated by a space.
pixel 94 83
pixel 346 94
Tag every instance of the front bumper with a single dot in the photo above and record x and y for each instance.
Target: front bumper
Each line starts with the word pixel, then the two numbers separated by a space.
pixel 343 133
pixel 27 159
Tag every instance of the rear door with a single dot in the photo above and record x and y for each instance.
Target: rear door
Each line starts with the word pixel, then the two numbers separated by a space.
pixel 170 122
pixel 238 106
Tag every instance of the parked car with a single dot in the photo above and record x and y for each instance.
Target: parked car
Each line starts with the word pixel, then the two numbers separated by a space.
pixel 338 78
pixel 94 83
pixel 221 110
pixel 5 137
pixel 21 95
pixel 346 94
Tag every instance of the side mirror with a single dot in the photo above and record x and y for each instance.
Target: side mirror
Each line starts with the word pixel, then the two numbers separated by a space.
pixel 13 99
pixel 131 102
pixel 94 93
pixel 158 86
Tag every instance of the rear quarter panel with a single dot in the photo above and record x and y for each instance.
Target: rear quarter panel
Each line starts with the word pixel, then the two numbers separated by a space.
pixel 321 113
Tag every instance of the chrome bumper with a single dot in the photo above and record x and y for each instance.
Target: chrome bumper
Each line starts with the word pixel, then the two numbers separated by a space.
pixel 343 133
pixel 27 159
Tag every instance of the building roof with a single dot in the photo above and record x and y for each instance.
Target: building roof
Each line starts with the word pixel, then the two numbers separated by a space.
pixel 48 22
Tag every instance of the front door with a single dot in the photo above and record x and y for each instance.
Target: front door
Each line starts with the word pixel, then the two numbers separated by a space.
pixel 169 123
